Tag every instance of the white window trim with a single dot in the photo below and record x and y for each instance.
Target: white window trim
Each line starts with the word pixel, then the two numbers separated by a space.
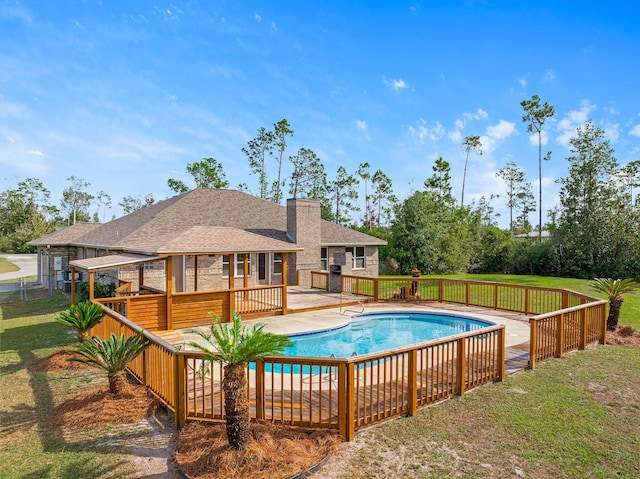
pixel 274 262
pixel 239 264
pixel 324 259
pixel 354 257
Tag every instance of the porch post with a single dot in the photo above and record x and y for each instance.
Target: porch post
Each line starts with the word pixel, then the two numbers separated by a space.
pixel 232 286
pixel 92 278
pixel 245 274
pixel 284 283
pixel 73 285
pixel 195 272
pixel 169 288
pixel 140 276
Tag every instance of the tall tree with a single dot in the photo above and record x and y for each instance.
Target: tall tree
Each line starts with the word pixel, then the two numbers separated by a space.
pixel 308 177
pixel 342 193
pixel 365 175
pixel 207 173
pixel 440 182
pixel 470 143
pixel 104 201
pixel 383 200
pixel 235 347
pixel 515 183
pixel 524 203
pixel 76 200
pixel 535 115
pixel 131 203
pixel 257 151
pixel 23 214
pixel 281 131
pixel 592 210
pixel 630 178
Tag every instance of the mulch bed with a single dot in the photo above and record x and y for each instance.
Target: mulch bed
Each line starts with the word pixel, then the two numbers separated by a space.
pixel 274 452
pixel 98 407
pixel 624 336
pixel 58 361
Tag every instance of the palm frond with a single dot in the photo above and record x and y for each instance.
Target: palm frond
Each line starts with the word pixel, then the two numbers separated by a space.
pixel 235 343
pixel 614 287
pixel 113 354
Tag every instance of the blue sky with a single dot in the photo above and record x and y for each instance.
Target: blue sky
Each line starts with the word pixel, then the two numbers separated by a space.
pixel 125 94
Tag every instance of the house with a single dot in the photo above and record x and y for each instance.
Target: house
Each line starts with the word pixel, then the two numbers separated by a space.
pixel 203 235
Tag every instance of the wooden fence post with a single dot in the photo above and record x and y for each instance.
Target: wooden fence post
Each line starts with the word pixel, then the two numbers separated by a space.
pixel 376 285
pixel 440 289
pixel 412 391
pixel 495 295
pixel 346 390
pixel 460 366
pixel 560 336
pixel 533 342
pixel 603 323
pixel 501 353
pixel 260 389
pixel 180 407
pixel 527 300
pixel 467 292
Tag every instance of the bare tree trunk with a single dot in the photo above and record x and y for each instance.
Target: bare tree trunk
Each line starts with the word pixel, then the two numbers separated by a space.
pixel 236 405
pixel 615 305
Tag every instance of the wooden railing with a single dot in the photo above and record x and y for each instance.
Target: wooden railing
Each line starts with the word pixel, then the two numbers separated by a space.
pixel 351 393
pixel 155 367
pixel 554 334
pixel 258 299
pixel 320 280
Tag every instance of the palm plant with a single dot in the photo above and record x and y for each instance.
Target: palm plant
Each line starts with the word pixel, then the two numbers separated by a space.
pixel 113 355
pixel 235 346
pixel 81 317
pixel 614 289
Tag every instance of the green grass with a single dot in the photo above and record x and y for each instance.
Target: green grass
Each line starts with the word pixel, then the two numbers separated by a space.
pixel 574 417
pixel 7 266
pixel 31 445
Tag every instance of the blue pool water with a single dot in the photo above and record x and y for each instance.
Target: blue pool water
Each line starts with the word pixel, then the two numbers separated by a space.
pixel 374 332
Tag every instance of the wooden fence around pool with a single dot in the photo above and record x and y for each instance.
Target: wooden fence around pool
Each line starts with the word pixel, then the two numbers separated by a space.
pixel 347 394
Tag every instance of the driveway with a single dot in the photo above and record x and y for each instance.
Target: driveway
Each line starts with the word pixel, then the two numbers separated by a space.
pixel 27 263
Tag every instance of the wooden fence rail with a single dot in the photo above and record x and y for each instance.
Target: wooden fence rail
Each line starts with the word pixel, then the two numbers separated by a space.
pixel 351 393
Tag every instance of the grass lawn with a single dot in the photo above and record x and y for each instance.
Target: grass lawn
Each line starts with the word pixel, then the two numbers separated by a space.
pixel 7 266
pixel 574 417
pixel 31 446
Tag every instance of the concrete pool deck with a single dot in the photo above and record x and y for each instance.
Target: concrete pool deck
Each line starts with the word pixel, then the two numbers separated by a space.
pixel 517 325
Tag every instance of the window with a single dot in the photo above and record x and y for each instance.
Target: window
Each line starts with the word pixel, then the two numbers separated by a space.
pixel 277 263
pixel 239 265
pixel 358 256
pixel 324 259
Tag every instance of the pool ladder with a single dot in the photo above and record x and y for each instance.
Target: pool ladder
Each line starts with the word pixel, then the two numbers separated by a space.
pixel 354 297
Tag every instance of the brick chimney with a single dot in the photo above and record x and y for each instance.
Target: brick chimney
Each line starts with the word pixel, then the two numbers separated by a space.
pixel 303 226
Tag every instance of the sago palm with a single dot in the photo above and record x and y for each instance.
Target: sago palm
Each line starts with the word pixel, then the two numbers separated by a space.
pixel 81 317
pixel 235 346
pixel 614 289
pixel 112 355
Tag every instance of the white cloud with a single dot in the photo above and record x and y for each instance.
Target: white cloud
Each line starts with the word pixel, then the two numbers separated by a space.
pixel 11 139
pixel 34 152
pixel 361 124
pixel 504 129
pixel 611 131
pixel 523 82
pixel 635 131
pixel 397 85
pixel 533 139
pixel 549 75
pixel 423 132
pixel 274 27
pixel 257 17
pixel 568 125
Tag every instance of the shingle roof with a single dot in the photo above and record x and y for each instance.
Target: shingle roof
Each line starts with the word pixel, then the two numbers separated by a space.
pixel 196 221
pixel 66 236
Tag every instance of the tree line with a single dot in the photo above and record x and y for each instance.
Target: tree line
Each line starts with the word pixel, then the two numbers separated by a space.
pixel 592 232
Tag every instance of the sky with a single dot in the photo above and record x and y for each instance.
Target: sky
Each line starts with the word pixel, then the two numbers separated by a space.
pixel 126 94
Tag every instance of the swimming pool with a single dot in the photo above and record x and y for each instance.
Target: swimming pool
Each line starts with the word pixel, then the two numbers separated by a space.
pixel 373 332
